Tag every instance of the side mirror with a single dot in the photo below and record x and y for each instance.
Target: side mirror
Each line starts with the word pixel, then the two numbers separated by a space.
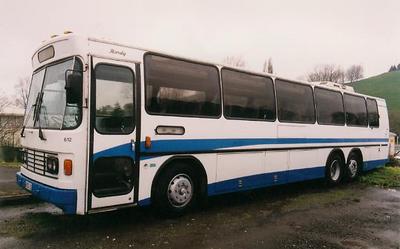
pixel 73 86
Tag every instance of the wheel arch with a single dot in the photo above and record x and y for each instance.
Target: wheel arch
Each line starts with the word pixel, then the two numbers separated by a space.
pixel 358 152
pixel 334 152
pixel 188 160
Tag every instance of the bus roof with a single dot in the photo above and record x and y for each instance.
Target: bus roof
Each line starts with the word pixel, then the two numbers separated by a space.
pixel 324 84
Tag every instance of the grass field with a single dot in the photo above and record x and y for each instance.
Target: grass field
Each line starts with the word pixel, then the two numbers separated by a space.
pixel 387 177
pixel 10 164
pixel 386 86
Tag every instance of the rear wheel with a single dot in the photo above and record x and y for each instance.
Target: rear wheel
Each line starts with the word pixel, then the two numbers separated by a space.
pixel 176 190
pixel 334 169
pixel 353 166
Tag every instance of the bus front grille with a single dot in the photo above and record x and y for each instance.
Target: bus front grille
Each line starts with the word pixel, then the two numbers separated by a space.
pixel 35 161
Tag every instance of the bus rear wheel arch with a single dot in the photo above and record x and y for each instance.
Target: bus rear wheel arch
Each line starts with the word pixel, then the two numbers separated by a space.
pixel 180 184
pixel 335 167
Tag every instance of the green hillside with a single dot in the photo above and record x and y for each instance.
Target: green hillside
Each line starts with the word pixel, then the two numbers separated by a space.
pixel 386 86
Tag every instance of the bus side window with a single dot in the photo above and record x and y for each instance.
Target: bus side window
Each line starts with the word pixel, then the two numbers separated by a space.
pixel 181 88
pixel 248 96
pixel 356 110
pixel 330 110
pixel 373 115
pixel 295 102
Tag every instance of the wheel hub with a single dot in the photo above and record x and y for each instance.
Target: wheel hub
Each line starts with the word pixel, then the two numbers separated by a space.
pixel 180 190
pixel 335 170
pixel 353 167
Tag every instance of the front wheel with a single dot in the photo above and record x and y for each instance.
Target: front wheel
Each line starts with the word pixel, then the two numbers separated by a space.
pixel 180 191
pixel 175 191
pixel 334 169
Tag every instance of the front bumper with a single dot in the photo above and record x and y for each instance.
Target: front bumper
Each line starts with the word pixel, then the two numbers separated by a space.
pixel 62 198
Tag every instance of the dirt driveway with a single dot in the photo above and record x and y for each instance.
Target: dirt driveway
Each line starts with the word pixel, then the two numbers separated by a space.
pixel 306 215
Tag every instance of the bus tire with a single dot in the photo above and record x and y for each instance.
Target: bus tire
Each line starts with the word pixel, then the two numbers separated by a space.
pixel 353 166
pixel 176 190
pixel 334 169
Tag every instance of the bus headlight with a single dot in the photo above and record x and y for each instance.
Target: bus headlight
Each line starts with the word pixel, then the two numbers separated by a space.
pixel 52 165
pixel 24 156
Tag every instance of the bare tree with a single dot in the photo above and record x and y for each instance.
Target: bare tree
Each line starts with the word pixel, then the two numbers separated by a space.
pixel 354 73
pixel 22 89
pixel 327 72
pixel 236 61
pixel 392 68
pixel 4 122
pixel 268 67
pixel 342 77
pixel 10 123
pixel 4 102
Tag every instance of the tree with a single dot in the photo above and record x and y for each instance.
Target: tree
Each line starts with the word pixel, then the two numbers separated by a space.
pixel 354 73
pixel 236 61
pixel 268 67
pixel 4 102
pixel 398 67
pixel 327 72
pixel 392 68
pixel 10 123
pixel 22 90
pixel 4 122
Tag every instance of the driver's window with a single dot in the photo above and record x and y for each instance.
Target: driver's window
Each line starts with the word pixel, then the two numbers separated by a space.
pixel 114 99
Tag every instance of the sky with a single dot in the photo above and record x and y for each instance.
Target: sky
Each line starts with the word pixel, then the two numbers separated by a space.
pixel 297 35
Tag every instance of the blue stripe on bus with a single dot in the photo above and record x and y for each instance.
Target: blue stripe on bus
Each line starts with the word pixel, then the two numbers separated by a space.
pixel 265 180
pixel 65 199
pixel 212 144
pixel 271 179
pixel 373 164
pixel 120 150
pixel 193 145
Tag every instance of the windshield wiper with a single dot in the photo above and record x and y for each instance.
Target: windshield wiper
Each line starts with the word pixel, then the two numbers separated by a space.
pixel 29 113
pixel 38 107
pixel 26 120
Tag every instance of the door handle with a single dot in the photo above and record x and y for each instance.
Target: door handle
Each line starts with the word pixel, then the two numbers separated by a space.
pixel 132 144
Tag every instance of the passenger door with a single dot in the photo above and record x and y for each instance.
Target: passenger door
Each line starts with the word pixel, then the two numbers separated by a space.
pixel 113 133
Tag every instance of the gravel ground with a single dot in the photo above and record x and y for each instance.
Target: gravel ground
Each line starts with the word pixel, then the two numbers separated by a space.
pixel 8 185
pixel 305 215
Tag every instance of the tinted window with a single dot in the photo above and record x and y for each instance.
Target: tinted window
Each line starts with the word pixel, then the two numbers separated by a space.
pixel 329 107
pixel 177 87
pixel 356 110
pixel 373 116
pixel 114 99
pixel 248 96
pixel 112 176
pixel 295 102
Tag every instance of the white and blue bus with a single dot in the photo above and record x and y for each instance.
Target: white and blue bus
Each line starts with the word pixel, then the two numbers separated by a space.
pixel 110 126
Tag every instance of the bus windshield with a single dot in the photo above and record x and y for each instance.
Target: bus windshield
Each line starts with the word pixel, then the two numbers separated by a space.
pixel 55 112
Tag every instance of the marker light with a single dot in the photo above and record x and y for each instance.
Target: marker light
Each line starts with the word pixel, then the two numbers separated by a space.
pixel 170 130
pixel 67 167
pixel 147 143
